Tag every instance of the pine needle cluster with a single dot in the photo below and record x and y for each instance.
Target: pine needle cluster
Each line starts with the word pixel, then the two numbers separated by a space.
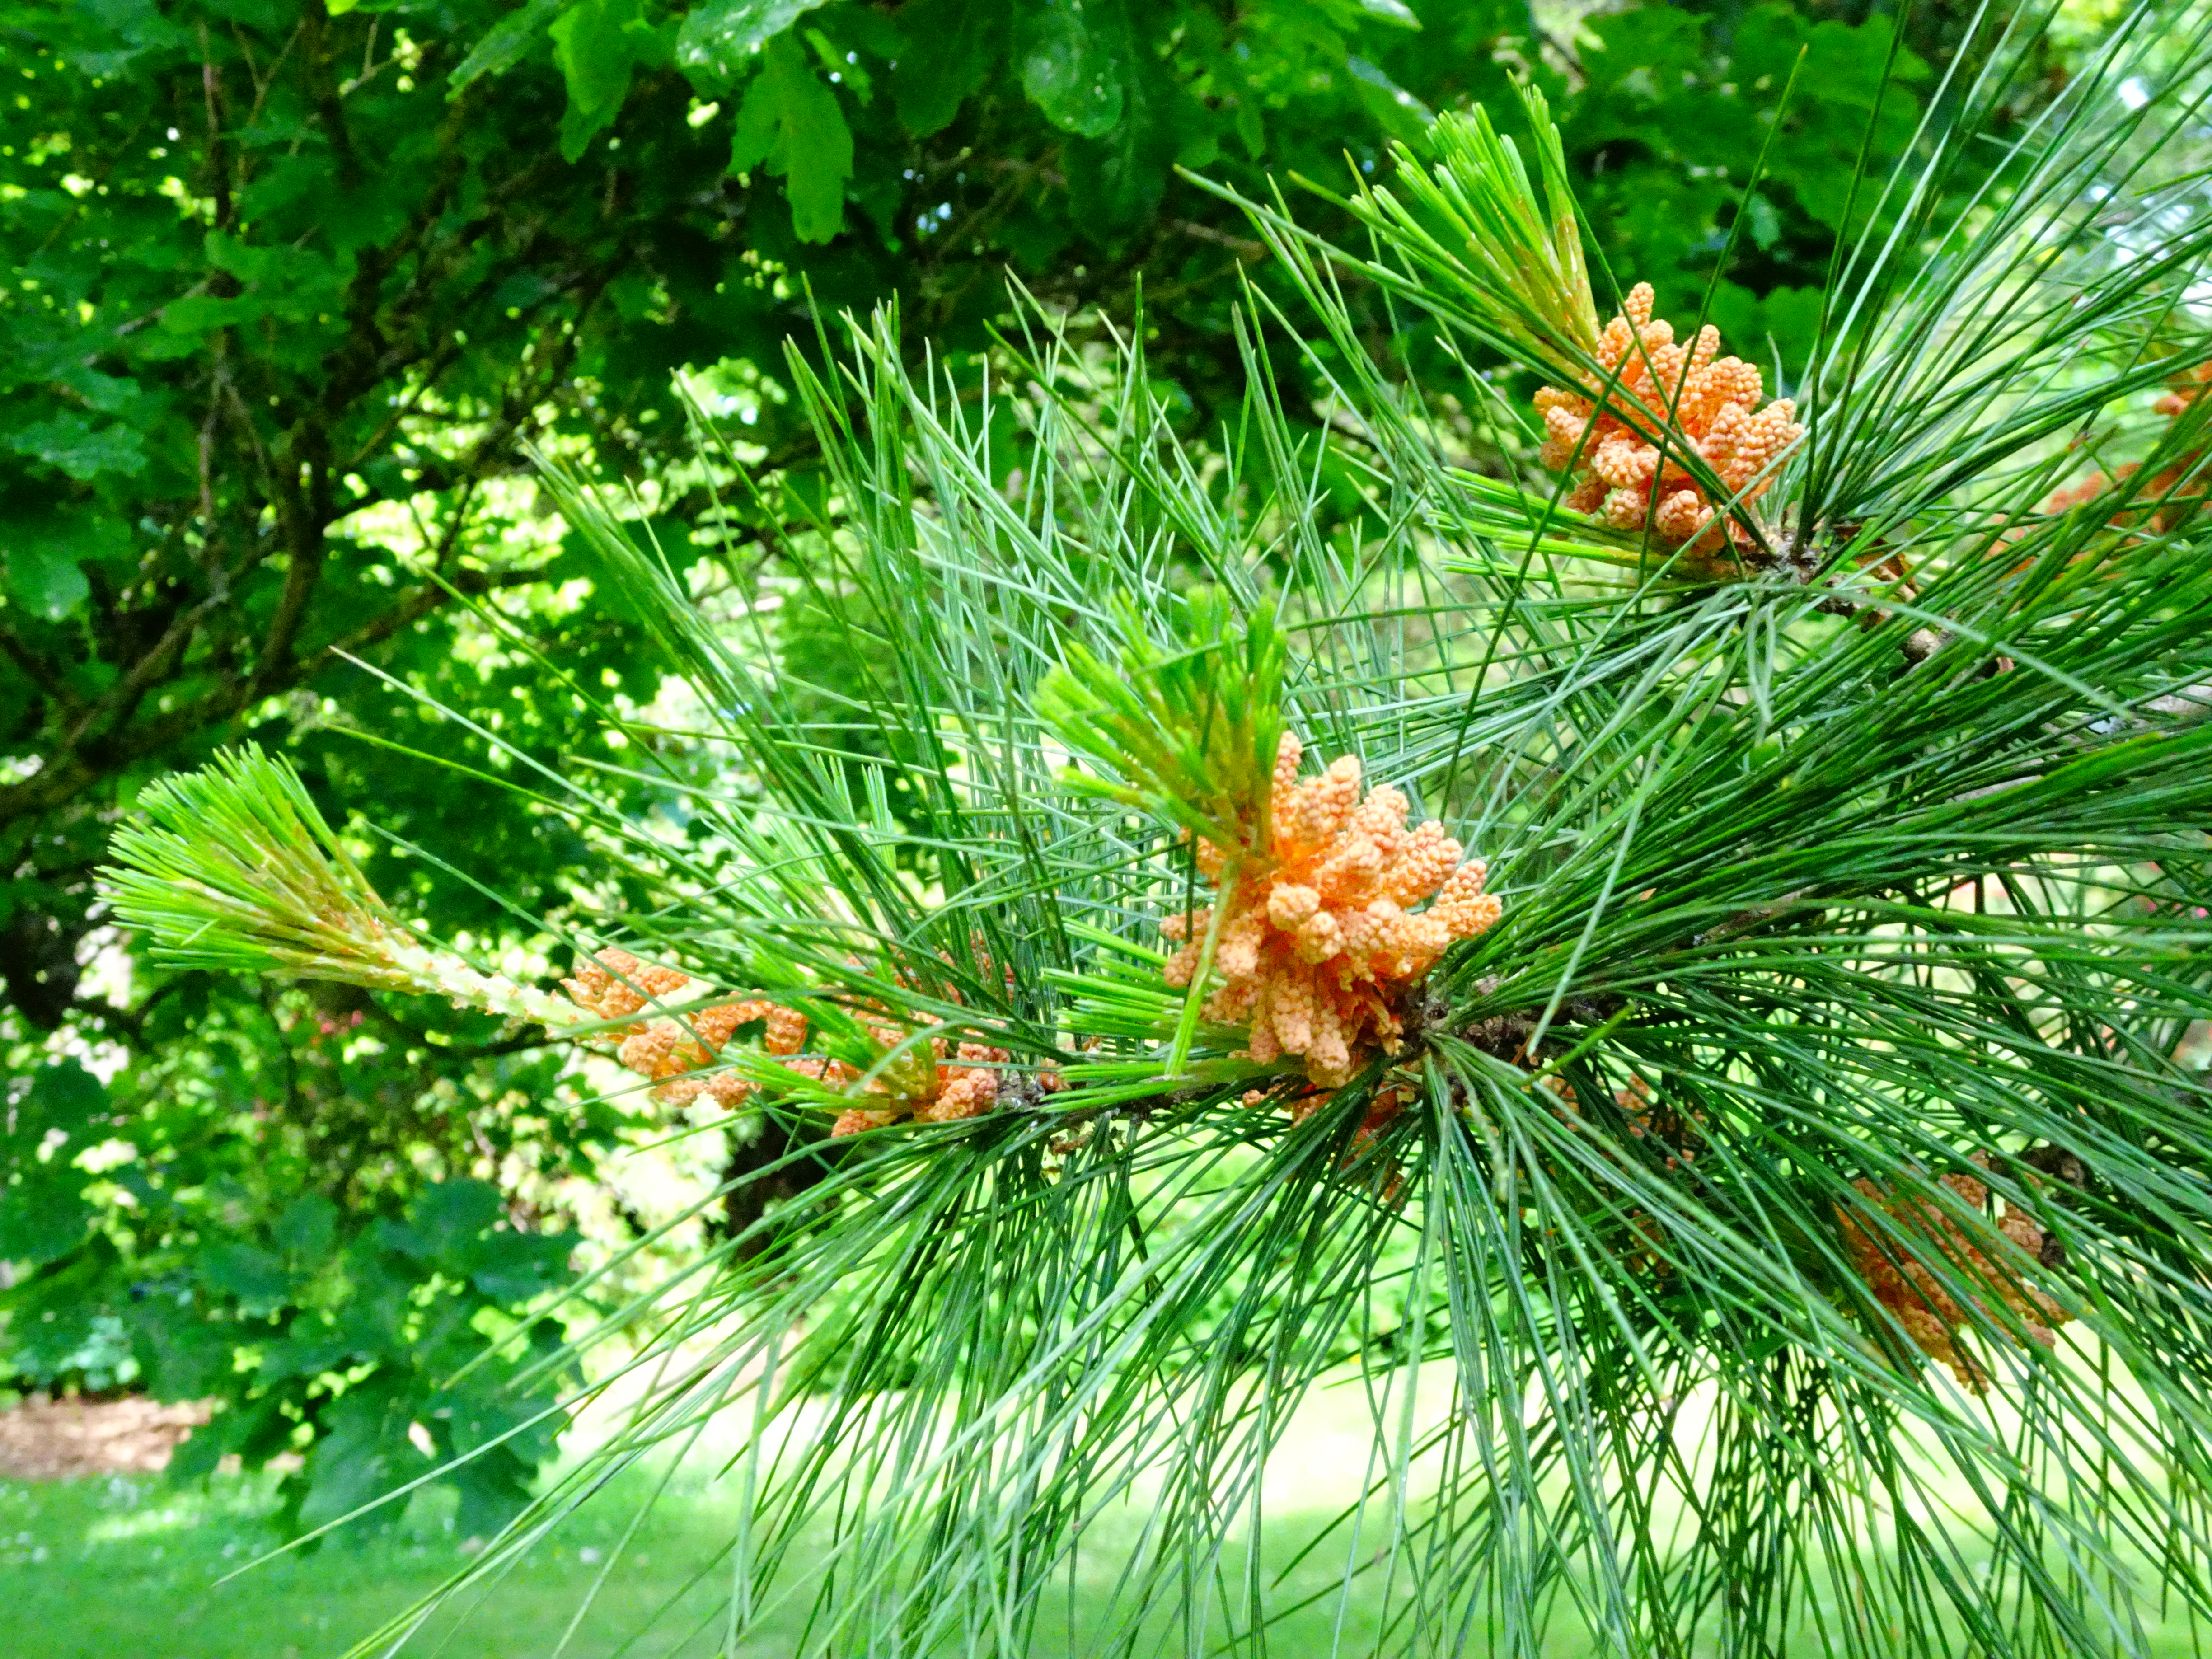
pixel 1762 1206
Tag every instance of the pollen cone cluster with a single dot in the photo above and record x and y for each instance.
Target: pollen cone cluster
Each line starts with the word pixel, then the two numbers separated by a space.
pixel 2174 496
pixel 1318 937
pixel 615 985
pixel 1704 403
pixel 946 1082
pixel 941 1084
pixel 1993 1258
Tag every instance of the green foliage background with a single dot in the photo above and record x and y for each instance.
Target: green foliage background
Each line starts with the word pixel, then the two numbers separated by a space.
pixel 297 284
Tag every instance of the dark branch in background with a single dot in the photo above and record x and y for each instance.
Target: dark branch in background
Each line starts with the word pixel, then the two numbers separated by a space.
pixel 58 785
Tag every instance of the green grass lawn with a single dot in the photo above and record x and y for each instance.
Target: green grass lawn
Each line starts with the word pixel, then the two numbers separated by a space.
pixel 131 1568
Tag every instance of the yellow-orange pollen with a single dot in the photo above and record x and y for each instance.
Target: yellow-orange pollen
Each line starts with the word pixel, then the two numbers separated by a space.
pixel 1902 1281
pixel 934 1083
pixel 1705 404
pixel 670 1050
pixel 1318 938
pixel 2173 496
pixel 938 1084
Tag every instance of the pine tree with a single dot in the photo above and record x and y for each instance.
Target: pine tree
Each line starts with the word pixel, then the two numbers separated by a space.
pixel 1679 974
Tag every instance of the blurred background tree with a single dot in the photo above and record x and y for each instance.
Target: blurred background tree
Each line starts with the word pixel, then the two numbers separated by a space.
pixel 299 286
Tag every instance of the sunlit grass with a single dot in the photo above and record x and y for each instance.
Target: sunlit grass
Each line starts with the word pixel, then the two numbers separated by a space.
pixel 131 1565
pixel 106 1568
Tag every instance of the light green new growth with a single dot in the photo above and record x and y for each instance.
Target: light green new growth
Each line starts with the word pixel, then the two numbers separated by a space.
pixel 1520 261
pixel 1193 726
pixel 232 869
